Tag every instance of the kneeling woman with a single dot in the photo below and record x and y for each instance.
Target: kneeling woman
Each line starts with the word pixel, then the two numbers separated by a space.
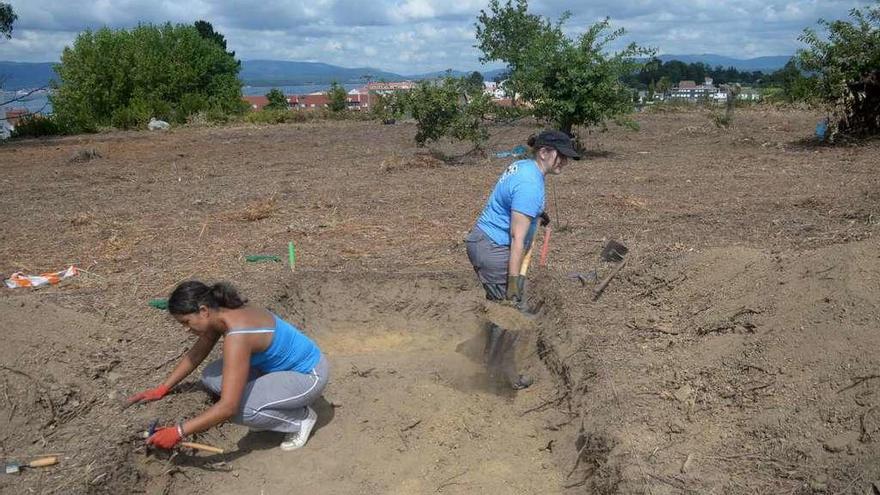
pixel 268 376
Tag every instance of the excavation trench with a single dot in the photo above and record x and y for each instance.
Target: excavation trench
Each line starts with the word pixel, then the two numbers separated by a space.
pixel 410 408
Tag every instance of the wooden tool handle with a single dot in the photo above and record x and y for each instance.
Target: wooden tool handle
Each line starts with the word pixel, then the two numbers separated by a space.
pixel 542 261
pixel 45 461
pixel 203 447
pixel 599 288
pixel 527 259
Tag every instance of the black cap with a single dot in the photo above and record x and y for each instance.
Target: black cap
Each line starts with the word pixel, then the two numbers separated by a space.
pixel 558 141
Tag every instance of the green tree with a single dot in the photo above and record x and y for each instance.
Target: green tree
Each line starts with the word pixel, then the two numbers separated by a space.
pixel 795 86
pixel 569 81
pixel 124 77
pixel 447 110
pixel 337 96
pixel 277 100
pixel 7 18
pixel 664 85
pixel 847 63
pixel 474 82
pixel 206 30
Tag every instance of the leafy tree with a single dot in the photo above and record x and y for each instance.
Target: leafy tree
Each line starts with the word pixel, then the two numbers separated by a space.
pixel 569 81
pixel 664 85
pixel 338 97
pixel 794 85
pixel 277 100
pixel 847 64
pixel 124 77
pixel 206 30
pixel 447 110
pixel 389 107
pixel 7 18
pixel 474 83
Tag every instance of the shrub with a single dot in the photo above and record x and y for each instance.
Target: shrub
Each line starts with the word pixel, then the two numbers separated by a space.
pixel 124 77
pixel 847 64
pixel 276 117
pixel 37 126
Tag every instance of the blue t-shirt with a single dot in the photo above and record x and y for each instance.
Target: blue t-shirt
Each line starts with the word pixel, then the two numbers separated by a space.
pixel 520 188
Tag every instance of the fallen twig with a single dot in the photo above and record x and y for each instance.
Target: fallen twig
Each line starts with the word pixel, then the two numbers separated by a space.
pixel 449 482
pixel 410 427
pixel 858 381
pixel 557 400
pixel 43 397
pixel 577 460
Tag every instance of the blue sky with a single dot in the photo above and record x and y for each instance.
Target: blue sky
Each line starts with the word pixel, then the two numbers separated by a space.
pixel 409 36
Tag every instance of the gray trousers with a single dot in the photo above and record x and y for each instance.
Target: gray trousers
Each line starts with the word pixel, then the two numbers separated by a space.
pixel 490 262
pixel 273 401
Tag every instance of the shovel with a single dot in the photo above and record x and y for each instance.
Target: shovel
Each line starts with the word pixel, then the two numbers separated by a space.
pixel 613 251
pixel 15 468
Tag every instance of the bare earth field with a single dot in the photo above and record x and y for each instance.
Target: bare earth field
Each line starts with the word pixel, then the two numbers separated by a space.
pixel 735 353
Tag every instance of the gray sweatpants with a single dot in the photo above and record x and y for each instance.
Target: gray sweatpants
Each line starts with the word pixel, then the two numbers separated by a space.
pixel 273 401
pixel 490 262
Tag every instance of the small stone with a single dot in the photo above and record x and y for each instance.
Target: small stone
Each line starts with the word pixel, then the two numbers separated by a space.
pixel 684 393
pixel 840 443
pixel 818 487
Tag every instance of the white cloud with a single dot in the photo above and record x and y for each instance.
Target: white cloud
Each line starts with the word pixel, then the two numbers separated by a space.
pixel 409 36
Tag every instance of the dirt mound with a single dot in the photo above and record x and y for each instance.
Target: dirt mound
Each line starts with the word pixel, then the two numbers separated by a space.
pixel 734 370
pixel 57 398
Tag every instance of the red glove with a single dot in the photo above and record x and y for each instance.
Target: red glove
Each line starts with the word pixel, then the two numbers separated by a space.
pixel 152 394
pixel 165 438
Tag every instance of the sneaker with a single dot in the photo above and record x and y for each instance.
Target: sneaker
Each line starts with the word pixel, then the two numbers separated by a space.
pixel 522 382
pixel 297 439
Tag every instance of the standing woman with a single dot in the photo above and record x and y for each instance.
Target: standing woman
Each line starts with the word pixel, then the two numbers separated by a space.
pixel 268 377
pixel 497 244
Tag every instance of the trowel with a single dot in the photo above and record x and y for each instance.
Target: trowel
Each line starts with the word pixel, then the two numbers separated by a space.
pixel 15 468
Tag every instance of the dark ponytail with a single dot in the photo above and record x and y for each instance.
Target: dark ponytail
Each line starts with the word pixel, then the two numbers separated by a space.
pixel 189 296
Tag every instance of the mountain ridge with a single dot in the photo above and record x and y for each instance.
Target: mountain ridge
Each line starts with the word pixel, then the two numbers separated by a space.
pixel 22 75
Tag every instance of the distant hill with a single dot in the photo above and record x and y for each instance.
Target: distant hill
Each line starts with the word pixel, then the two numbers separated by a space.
pixel 282 73
pixel 763 64
pixel 488 75
pixel 22 75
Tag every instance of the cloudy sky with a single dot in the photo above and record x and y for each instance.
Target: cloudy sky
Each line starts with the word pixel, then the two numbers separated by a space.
pixel 410 36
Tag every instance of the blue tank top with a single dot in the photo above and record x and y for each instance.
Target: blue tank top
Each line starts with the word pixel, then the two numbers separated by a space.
pixel 290 349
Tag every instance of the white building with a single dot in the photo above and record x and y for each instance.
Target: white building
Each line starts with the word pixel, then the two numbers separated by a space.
pixel 495 90
pixel 691 91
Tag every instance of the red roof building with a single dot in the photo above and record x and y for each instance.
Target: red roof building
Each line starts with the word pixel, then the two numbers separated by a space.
pixel 313 100
pixel 256 102
pixel 14 116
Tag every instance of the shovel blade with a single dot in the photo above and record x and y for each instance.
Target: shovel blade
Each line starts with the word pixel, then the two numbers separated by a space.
pixel 613 251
